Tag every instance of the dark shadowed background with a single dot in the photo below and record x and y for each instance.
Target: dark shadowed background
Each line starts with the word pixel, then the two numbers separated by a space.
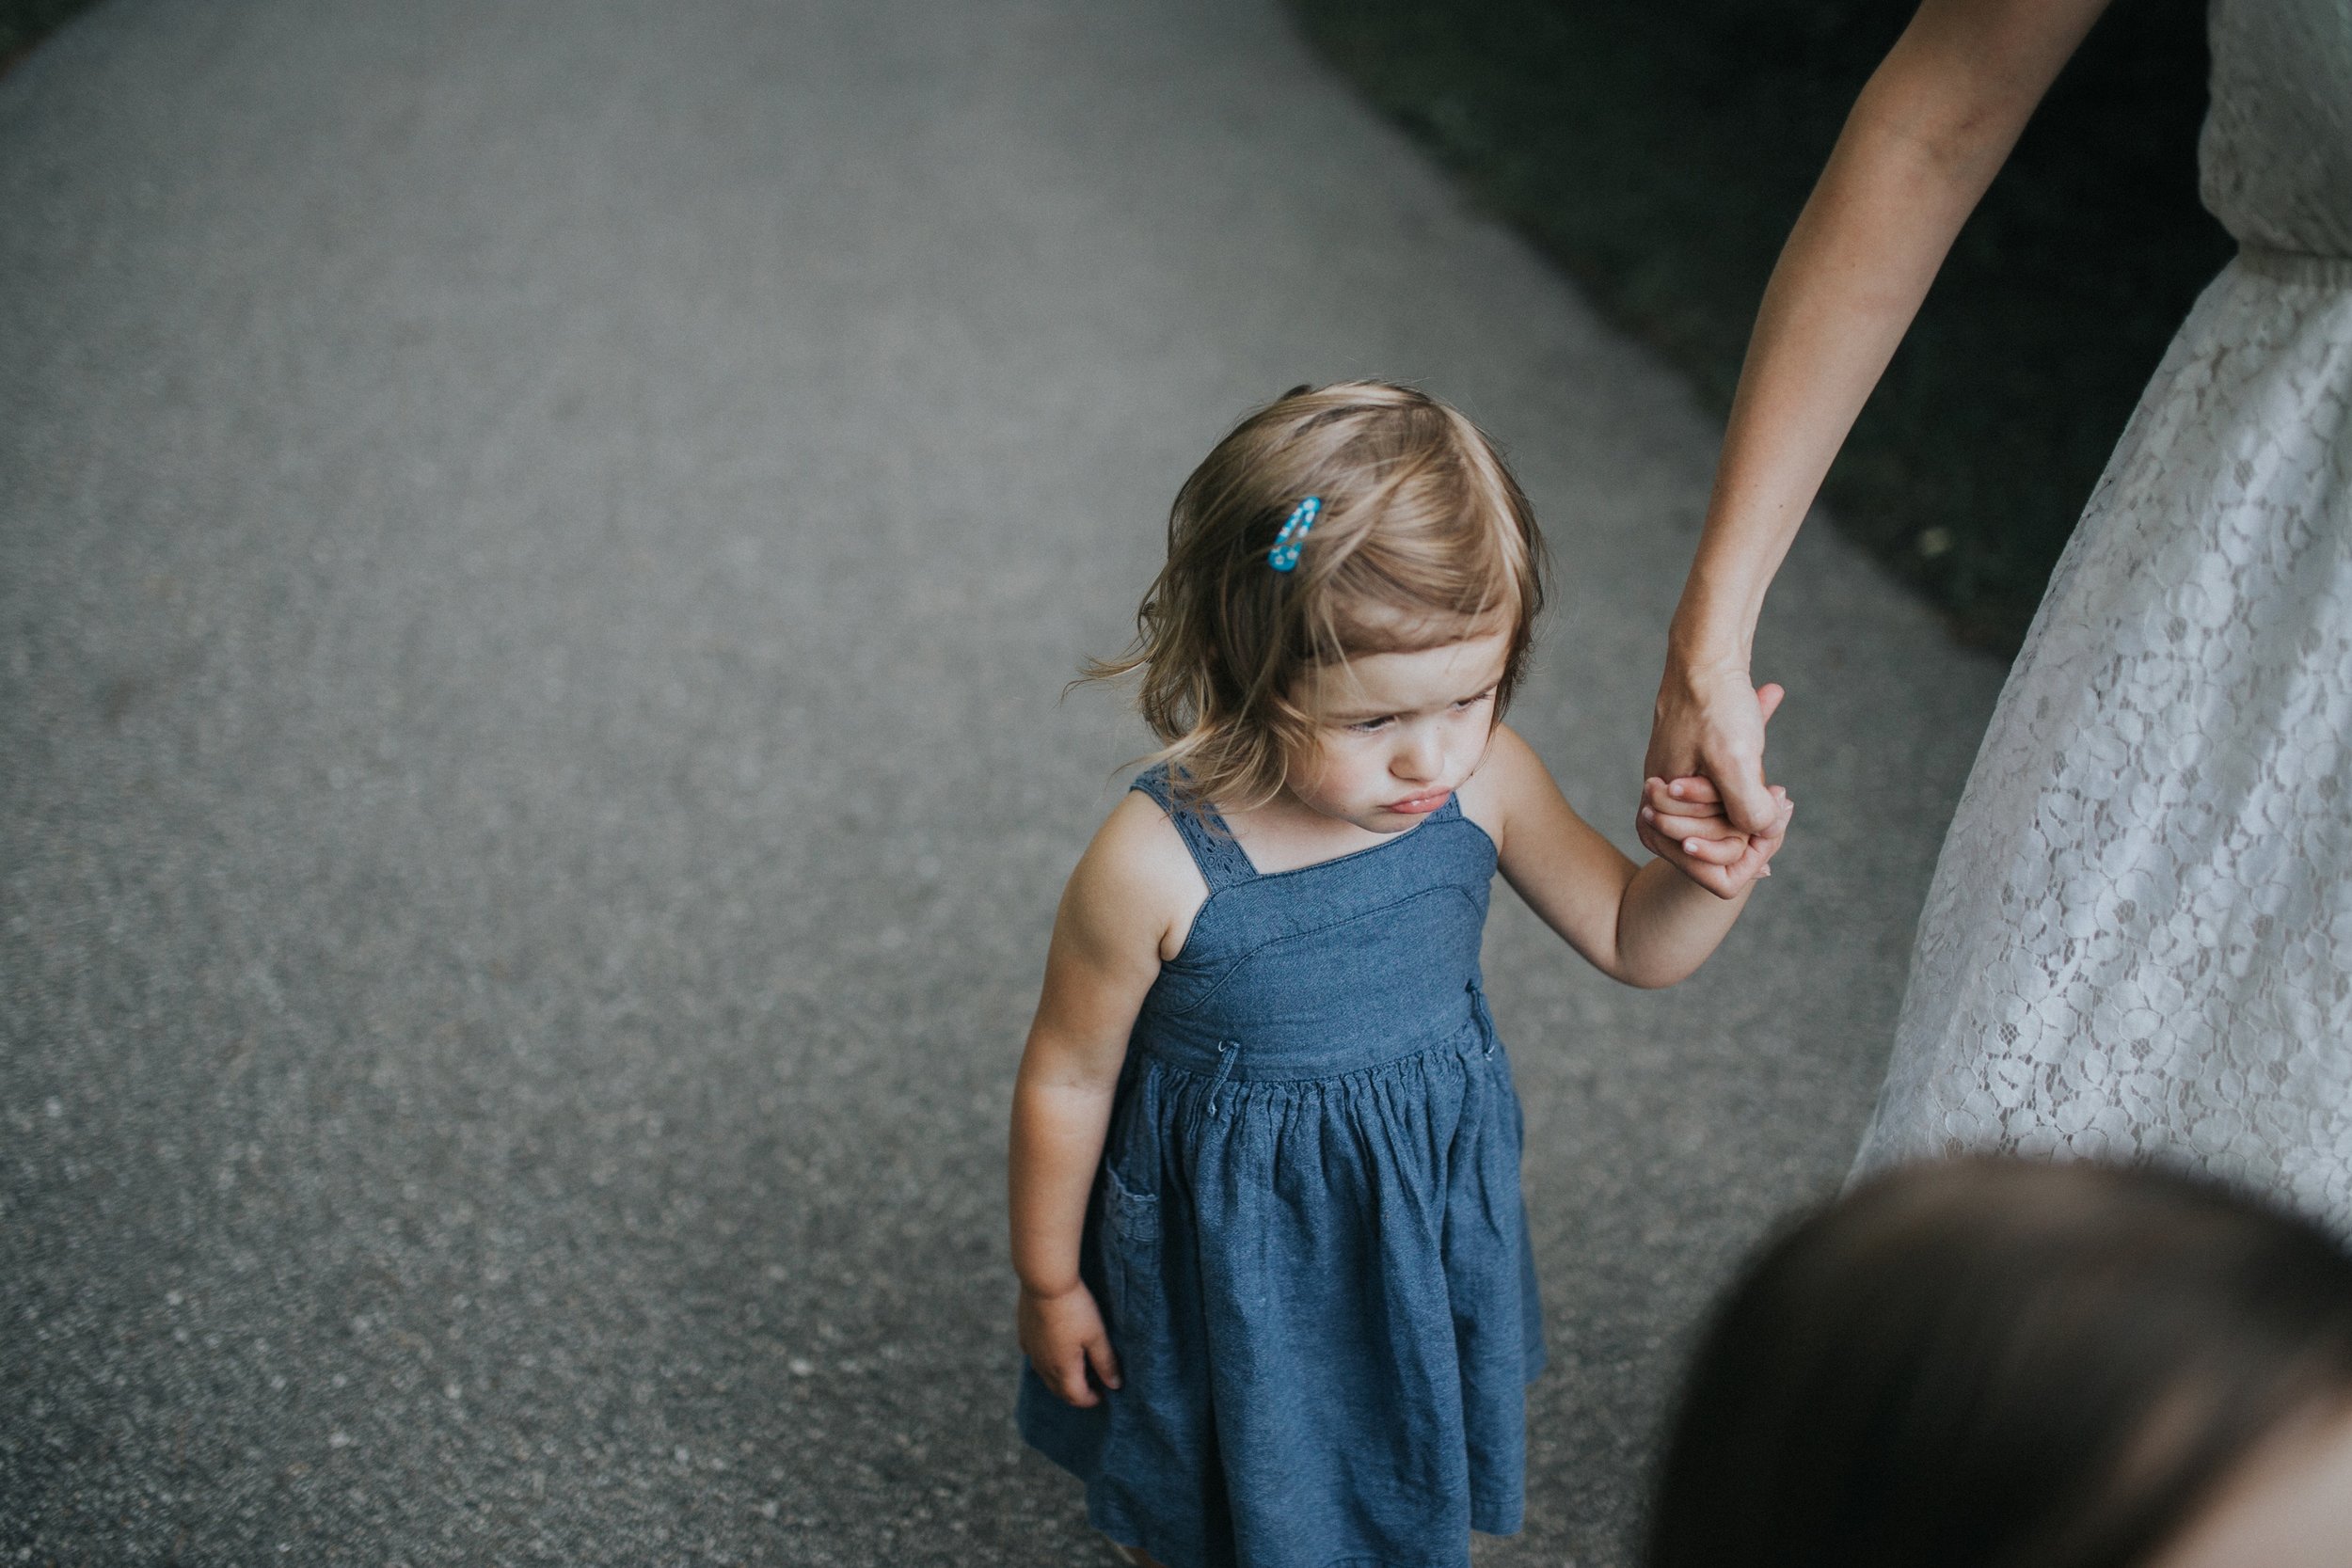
pixel 1661 153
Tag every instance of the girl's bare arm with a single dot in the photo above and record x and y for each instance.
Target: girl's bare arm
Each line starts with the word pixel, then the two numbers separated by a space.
pixel 1926 137
pixel 1649 926
pixel 1116 914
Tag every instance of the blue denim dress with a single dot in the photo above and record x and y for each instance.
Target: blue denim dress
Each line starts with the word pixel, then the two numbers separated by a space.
pixel 1307 1235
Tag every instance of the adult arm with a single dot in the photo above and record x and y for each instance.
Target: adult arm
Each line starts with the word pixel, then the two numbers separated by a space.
pixel 1925 138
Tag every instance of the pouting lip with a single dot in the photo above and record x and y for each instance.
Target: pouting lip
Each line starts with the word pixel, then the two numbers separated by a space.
pixel 1413 804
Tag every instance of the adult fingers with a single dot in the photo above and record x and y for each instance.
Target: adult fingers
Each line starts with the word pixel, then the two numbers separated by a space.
pixel 1783 809
pixel 1764 845
pixel 1740 780
pixel 1755 861
pixel 1737 772
pixel 1706 722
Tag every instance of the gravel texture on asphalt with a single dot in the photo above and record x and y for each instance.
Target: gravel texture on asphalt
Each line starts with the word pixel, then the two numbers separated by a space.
pixel 539 547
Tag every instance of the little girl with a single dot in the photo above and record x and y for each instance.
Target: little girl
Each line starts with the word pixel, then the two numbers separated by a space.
pixel 1276 1291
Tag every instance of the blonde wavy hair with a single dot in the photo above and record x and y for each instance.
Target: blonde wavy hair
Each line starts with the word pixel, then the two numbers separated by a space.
pixel 1424 539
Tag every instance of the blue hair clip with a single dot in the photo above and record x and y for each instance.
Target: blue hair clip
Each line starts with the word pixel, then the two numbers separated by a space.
pixel 1285 552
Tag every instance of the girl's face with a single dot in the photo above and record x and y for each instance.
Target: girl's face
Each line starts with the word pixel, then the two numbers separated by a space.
pixel 1395 734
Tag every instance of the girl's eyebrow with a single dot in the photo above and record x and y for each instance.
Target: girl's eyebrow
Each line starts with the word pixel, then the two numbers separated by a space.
pixel 1341 714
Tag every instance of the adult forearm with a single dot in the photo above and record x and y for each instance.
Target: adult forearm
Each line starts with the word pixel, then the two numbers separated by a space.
pixel 1924 140
pixel 1848 284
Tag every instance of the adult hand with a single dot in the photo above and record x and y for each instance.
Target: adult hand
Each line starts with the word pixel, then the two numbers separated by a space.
pixel 1710 723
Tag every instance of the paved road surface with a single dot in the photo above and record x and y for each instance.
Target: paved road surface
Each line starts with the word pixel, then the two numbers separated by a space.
pixel 538 546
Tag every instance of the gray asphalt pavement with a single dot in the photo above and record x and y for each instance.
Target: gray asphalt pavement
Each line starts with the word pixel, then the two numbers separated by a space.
pixel 539 546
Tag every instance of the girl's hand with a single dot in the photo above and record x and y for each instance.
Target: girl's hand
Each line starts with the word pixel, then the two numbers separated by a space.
pixel 1690 814
pixel 1689 811
pixel 1062 1336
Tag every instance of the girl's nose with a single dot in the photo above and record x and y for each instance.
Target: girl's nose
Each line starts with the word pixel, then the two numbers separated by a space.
pixel 1420 758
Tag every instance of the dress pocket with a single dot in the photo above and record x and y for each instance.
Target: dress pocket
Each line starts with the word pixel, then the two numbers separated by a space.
pixel 1131 1245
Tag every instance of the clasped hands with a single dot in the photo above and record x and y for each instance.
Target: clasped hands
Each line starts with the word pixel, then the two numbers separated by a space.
pixel 1705 804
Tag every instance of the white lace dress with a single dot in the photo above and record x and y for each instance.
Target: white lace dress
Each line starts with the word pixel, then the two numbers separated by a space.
pixel 2138 942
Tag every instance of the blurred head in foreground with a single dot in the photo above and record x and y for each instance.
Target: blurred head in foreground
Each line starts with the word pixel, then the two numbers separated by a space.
pixel 2006 1365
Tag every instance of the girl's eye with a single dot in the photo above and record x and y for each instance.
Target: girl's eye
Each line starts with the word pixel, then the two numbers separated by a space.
pixel 1367 726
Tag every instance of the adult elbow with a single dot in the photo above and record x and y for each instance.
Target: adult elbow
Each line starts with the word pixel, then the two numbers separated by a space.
pixel 1949 116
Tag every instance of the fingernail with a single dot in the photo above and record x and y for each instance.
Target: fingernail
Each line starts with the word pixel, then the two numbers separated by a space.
pixel 1766 871
pixel 1689 845
pixel 1648 815
pixel 1674 789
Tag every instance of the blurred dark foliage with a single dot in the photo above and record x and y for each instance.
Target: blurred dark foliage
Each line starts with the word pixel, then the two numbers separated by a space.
pixel 25 23
pixel 1662 152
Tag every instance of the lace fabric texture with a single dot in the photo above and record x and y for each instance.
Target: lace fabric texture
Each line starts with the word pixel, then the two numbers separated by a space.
pixel 2275 161
pixel 2138 944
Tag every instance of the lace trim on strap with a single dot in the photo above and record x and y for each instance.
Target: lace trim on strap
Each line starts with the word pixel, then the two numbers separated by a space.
pixel 1205 834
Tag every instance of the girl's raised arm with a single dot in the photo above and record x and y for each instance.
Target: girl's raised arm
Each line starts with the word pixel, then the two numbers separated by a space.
pixel 1925 138
pixel 1649 925
pixel 1127 902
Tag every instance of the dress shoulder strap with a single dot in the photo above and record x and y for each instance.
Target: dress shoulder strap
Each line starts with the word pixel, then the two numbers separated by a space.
pixel 1213 851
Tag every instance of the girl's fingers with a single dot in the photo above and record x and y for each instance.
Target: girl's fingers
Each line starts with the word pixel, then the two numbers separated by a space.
pixel 1105 1364
pixel 1691 826
pixel 1694 797
pixel 1716 851
pixel 1071 1379
pixel 1721 881
pixel 1658 794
